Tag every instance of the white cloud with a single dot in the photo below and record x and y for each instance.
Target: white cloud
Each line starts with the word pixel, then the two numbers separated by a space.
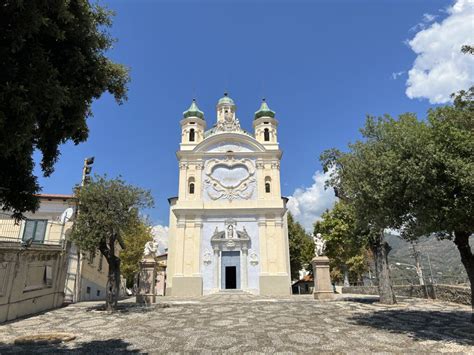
pixel 396 75
pixel 160 235
pixel 427 19
pixel 308 204
pixel 440 68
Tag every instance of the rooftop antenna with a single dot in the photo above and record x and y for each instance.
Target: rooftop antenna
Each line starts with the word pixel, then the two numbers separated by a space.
pixel 194 91
pixel 226 86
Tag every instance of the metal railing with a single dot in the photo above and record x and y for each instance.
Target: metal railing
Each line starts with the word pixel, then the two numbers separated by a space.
pixel 12 231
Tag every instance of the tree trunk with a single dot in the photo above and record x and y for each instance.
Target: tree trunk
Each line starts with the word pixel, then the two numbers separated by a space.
pixel 113 284
pixel 461 239
pixel 380 249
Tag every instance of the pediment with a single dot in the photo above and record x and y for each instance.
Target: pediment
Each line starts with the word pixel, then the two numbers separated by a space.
pixel 229 142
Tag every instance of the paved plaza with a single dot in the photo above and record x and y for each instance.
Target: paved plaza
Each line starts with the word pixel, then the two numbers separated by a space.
pixel 248 324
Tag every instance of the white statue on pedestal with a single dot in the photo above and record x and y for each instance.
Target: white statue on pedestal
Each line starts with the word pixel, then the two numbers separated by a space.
pixel 319 245
pixel 151 248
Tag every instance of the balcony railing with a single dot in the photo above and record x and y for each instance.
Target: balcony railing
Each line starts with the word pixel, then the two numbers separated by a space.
pixel 44 232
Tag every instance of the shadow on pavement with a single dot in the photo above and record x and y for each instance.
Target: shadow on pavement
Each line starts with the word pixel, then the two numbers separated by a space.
pixel 111 346
pixel 365 299
pixel 422 325
pixel 129 308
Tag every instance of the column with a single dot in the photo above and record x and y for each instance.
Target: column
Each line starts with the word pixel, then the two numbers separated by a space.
pixel 180 230
pixel 262 237
pixel 183 183
pixel 260 180
pixel 279 231
pixel 244 268
pixel 198 182
pixel 197 246
pixel 216 268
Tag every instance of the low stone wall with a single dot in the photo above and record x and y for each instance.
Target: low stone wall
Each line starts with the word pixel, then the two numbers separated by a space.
pixel 449 293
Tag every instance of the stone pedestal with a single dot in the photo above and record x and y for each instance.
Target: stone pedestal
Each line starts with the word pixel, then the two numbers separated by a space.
pixel 146 288
pixel 323 289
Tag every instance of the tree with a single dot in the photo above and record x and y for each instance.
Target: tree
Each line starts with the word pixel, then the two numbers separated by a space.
pixel 108 208
pixel 445 200
pixel 135 237
pixel 368 177
pixel 52 54
pixel 301 247
pixel 413 175
pixel 346 244
pixel 466 49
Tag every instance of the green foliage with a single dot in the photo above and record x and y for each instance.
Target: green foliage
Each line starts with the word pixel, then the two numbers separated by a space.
pixel 412 175
pixel 108 208
pixel 135 237
pixel 301 247
pixel 346 244
pixel 379 176
pixel 52 54
pixel 466 49
pixel 446 200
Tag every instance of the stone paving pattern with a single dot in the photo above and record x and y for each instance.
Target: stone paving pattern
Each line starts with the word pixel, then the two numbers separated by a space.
pixel 250 324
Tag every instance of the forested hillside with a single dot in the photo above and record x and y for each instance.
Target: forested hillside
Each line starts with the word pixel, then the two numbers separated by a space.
pixel 445 261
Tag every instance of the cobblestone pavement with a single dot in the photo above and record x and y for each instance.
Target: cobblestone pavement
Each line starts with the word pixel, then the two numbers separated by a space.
pixel 244 323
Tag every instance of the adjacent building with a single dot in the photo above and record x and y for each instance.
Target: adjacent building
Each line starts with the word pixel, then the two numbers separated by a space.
pixel 33 258
pixel 40 268
pixel 228 224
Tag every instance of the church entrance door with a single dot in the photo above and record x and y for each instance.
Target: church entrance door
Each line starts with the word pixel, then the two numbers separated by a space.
pixel 230 277
pixel 230 270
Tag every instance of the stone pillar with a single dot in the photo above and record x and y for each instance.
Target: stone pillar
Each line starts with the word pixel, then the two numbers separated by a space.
pixel 244 268
pixel 146 290
pixel 323 289
pixel 216 269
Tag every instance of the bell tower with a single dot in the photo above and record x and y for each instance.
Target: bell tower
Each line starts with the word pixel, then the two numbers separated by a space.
pixel 265 126
pixel 193 125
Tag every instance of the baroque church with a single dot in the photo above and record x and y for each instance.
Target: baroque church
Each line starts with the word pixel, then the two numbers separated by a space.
pixel 228 224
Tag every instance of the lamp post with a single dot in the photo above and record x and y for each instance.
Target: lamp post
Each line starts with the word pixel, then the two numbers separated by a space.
pixel 86 170
pixel 418 270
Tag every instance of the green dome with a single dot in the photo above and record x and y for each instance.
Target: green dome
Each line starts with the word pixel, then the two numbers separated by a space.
pixel 193 111
pixel 225 100
pixel 264 111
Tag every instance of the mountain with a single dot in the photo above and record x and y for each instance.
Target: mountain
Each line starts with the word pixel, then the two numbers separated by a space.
pixel 446 266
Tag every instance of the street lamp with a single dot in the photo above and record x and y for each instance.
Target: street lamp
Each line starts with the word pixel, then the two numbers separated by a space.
pixel 418 270
pixel 86 170
pixel 399 264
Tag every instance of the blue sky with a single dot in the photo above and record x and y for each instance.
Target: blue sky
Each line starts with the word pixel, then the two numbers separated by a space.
pixel 322 65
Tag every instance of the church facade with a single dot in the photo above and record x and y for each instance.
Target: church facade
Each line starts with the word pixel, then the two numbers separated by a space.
pixel 228 224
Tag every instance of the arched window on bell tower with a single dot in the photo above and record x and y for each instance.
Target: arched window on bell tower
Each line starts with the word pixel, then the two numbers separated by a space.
pixel 192 135
pixel 191 186
pixel 266 135
pixel 267 185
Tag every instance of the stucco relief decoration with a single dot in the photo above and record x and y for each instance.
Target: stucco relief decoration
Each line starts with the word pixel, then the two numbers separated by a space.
pixel 230 238
pixel 253 257
pixel 229 124
pixel 233 147
pixel 230 178
pixel 207 257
